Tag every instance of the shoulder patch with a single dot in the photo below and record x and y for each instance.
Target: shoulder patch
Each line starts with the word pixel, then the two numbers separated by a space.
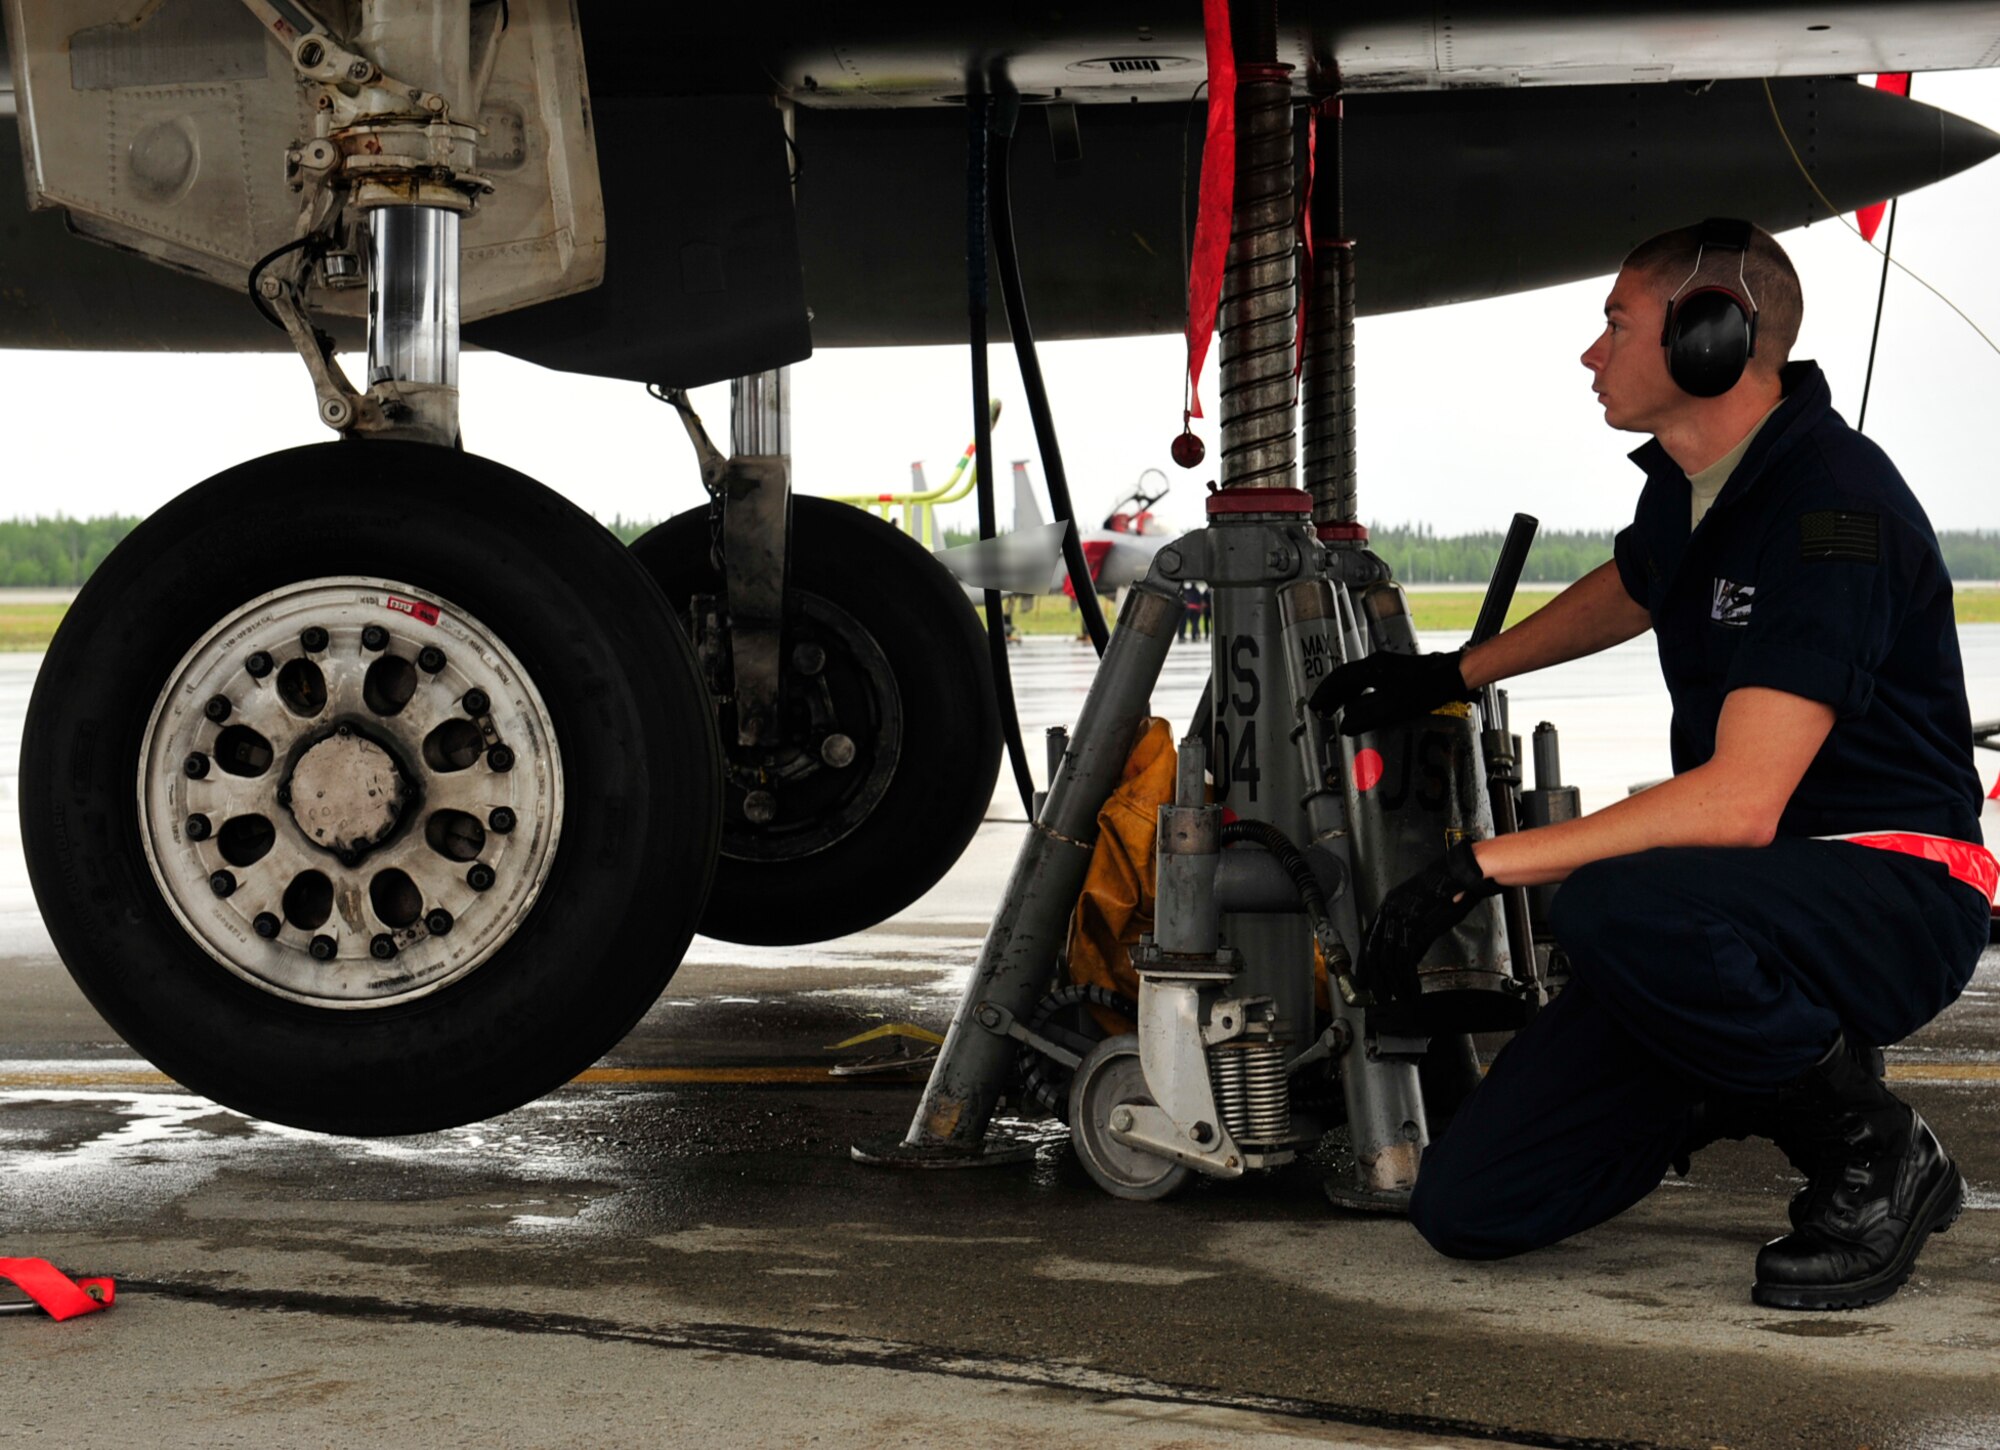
pixel 1841 535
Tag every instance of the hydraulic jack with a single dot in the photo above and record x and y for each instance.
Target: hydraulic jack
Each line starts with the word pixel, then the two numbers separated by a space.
pixel 1284 834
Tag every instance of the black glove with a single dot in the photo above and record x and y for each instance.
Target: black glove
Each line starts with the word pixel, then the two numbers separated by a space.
pixel 1415 914
pixel 1401 686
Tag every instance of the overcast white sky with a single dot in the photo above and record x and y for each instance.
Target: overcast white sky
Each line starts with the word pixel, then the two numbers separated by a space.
pixel 1468 413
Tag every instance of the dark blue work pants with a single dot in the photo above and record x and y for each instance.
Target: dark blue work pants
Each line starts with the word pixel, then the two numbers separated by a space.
pixel 1696 970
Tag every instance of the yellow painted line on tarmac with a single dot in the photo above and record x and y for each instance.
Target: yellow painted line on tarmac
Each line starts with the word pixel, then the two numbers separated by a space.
pixel 707 1074
pixel 128 1077
pixel 1941 1073
pixel 120 1078
pixel 1944 1072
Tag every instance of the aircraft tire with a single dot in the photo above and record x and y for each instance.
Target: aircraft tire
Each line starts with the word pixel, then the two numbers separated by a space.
pixel 375 621
pixel 905 677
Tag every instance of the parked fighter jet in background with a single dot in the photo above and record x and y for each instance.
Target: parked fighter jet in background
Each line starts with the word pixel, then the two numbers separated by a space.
pixel 375 788
pixel 1120 550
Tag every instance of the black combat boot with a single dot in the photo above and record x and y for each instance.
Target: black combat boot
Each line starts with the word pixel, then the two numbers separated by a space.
pixel 1739 1116
pixel 1878 1185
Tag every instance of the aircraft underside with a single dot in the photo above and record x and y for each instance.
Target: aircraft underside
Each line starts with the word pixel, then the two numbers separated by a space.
pixel 373 787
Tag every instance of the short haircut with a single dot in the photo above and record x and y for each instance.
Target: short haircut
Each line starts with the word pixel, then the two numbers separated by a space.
pixel 1767 272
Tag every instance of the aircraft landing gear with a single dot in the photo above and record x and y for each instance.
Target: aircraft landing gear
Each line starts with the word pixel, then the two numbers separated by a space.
pixel 347 790
pixel 885 743
pixel 353 778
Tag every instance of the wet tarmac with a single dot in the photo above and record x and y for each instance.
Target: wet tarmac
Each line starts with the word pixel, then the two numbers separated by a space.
pixel 677 1249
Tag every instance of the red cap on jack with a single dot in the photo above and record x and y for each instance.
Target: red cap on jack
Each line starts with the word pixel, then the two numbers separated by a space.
pixel 1354 533
pixel 1259 501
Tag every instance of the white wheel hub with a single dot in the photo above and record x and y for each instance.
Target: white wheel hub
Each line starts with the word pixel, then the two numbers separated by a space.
pixel 350 792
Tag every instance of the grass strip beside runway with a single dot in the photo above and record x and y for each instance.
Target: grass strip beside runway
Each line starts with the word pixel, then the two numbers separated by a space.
pixel 1450 610
pixel 29 627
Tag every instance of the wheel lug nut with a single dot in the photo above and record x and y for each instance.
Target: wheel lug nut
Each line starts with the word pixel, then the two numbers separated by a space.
pixel 223 883
pixel 195 766
pixel 480 877
pixel 259 665
pixel 217 708
pixel 312 640
pixel 382 946
pixel 501 820
pixel 438 922
pixel 500 758
pixel 760 807
pixel 808 659
pixel 197 828
pixel 323 948
pixel 475 702
pixel 374 637
pixel 837 751
pixel 266 925
pixel 430 659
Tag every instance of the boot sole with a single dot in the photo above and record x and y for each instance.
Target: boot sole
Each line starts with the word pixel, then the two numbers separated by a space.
pixel 1938 1213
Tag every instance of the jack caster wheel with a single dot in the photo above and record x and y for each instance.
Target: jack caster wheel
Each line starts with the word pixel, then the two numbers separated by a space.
pixel 890 737
pixel 1107 1079
pixel 351 781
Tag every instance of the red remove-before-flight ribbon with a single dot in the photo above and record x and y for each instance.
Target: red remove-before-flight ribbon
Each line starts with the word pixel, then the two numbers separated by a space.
pixel 56 1292
pixel 1218 195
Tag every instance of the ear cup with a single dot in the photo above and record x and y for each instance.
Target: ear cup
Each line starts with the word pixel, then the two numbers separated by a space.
pixel 1709 338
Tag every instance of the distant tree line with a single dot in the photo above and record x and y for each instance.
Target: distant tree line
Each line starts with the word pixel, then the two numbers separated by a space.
pixel 56 553
pixel 61 552
pixel 1420 555
pixel 628 529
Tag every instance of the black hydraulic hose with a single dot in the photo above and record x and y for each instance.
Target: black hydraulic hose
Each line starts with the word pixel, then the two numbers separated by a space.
pixel 977 110
pixel 1262 833
pixel 1875 334
pixel 1016 302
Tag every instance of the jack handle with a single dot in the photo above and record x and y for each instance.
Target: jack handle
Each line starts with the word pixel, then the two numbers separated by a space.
pixel 1506 576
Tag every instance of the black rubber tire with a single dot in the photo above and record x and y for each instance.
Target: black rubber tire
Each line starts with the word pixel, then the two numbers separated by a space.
pixel 631 720
pixel 919 617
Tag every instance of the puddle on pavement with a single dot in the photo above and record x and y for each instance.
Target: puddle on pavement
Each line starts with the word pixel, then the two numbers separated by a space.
pixel 76 1155
pixel 1822 1328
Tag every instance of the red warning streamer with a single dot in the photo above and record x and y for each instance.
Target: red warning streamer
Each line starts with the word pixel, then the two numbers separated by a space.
pixel 1218 196
pixel 1897 83
pixel 62 1296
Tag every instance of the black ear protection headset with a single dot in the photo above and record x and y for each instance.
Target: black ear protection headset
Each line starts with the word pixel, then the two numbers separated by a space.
pixel 1711 333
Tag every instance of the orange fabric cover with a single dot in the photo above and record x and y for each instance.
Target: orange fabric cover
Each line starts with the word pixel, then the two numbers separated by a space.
pixel 1117 904
pixel 1117 901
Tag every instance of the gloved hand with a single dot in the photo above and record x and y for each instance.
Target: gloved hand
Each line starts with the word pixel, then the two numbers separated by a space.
pixel 1415 914
pixel 1402 686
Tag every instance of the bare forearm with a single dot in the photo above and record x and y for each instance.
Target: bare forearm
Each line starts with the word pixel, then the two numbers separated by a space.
pixel 1689 810
pixel 1593 614
pixel 1765 739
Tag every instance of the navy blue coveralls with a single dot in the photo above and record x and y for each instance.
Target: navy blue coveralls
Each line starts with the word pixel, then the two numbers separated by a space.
pixel 1701 970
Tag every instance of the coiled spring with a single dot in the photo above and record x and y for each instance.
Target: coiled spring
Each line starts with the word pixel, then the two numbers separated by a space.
pixel 1326 385
pixel 1259 292
pixel 1252 1093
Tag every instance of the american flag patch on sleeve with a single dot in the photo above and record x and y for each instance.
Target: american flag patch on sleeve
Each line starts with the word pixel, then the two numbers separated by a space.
pixel 1839 535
